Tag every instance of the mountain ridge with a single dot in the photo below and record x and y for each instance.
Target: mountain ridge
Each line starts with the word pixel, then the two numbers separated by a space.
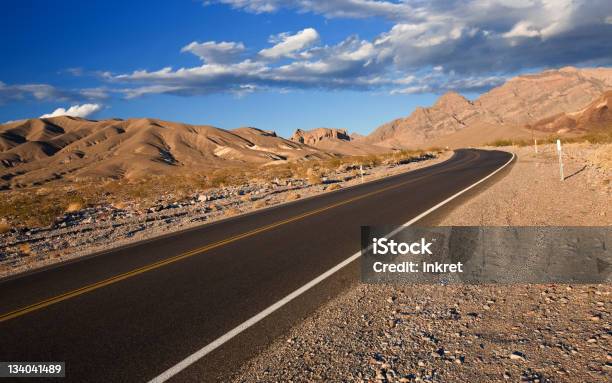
pixel 502 111
pixel 36 151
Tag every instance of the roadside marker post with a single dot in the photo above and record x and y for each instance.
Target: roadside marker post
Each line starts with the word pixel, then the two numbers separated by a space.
pixel 535 145
pixel 560 159
pixel 361 170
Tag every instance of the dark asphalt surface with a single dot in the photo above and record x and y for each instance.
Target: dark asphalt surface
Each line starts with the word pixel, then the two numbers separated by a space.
pixel 133 330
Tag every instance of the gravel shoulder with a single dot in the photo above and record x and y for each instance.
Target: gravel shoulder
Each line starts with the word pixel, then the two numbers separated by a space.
pixel 456 333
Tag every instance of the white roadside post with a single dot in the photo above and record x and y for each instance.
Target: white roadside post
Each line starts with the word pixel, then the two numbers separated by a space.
pixel 560 159
pixel 535 145
pixel 361 170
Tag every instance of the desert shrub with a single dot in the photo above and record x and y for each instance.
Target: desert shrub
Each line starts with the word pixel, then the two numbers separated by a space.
pixel 371 160
pixel 293 196
pixel 260 203
pixel 502 142
pixel 602 157
pixel 232 211
pixel 601 136
pixel 25 249
pixel 313 177
pixel 74 206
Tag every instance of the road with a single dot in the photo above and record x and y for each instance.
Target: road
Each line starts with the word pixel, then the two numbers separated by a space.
pixel 130 314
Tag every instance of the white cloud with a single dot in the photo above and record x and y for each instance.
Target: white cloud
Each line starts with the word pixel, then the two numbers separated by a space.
pixel 522 29
pixel 46 92
pixel 456 44
pixel 430 46
pixel 82 111
pixel 328 8
pixel 287 44
pixel 213 52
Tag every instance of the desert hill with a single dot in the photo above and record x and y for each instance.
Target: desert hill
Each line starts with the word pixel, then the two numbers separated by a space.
pixel 38 150
pixel 503 112
pixel 596 115
pixel 336 141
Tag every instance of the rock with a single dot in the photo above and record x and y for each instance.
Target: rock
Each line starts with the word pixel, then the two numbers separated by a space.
pixel 516 355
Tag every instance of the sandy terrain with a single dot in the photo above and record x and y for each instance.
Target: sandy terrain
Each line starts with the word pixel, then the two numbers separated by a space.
pixel 93 229
pixel 524 333
pixel 533 195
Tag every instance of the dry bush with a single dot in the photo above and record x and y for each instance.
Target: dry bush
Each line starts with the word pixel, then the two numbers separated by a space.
pixel 230 212
pixel 334 187
pixel 25 248
pixel 260 203
pixel 74 206
pixel 602 157
pixel 4 227
pixel 372 160
pixel 293 196
pixel 26 208
pixel 313 177
pixel 120 205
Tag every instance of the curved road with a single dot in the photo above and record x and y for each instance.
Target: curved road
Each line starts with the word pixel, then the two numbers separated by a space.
pixel 130 314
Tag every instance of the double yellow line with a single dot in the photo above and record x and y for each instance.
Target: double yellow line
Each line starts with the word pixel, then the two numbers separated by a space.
pixel 120 277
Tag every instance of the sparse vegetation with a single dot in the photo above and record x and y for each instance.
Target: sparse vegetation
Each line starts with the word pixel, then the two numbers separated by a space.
pixel 602 158
pixel 25 249
pixel 596 136
pixel 42 205
pixel 313 177
pixel 74 206
pixel 232 211
pixel 260 203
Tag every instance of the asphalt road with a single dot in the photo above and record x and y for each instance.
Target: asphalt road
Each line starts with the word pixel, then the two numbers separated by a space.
pixel 110 323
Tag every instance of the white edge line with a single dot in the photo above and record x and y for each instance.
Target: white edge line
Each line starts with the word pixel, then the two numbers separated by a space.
pixel 169 373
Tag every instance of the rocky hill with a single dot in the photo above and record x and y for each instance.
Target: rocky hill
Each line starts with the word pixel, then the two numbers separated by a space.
pixel 38 150
pixel 336 141
pixel 596 115
pixel 502 112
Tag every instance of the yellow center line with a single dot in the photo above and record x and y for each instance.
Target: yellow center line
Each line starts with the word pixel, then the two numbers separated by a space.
pixel 156 265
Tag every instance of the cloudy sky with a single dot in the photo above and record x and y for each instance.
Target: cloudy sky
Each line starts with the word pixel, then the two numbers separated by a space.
pixel 281 64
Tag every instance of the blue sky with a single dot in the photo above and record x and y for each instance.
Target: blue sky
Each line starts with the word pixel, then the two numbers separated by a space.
pixel 281 64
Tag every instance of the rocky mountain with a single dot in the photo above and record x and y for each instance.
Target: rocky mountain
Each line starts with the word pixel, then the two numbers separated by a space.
pixel 502 112
pixel 312 137
pixel 38 150
pixel 596 115
pixel 336 141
